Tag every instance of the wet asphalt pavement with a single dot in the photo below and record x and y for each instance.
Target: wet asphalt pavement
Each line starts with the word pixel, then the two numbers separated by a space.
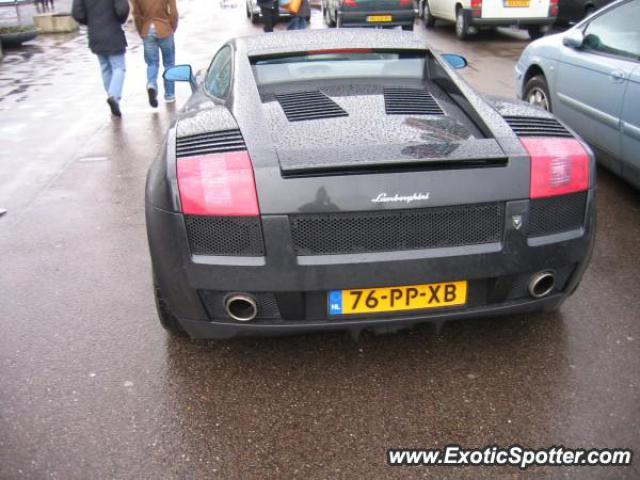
pixel 91 387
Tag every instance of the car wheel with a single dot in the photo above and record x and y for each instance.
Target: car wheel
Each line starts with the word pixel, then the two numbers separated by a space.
pixel 429 21
pixel 408 27
pixel 462 25
pixel 536 92
pixel 255 18
pixel 535 32
pixel 167 319
pixel 327 18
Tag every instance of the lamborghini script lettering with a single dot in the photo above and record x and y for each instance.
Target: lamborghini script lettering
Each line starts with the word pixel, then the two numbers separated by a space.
pixel 384 198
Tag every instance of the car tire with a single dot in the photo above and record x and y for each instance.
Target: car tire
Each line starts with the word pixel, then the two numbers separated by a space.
pixel 535 32
pixel 429 20
pixel 536 92
pixel 408 28
pixel 255 18
pixel 328 21
pixel 462 25
pixel 167 319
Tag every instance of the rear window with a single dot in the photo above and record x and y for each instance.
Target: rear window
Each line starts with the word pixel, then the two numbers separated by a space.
pixel 337 64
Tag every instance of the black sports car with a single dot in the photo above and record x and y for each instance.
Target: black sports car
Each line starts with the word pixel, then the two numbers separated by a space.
pixel 323 180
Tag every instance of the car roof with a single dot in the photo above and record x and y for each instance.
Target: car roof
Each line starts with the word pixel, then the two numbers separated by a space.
pixel 343 38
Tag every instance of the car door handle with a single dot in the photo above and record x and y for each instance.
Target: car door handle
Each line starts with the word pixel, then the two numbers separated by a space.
pixel 618 76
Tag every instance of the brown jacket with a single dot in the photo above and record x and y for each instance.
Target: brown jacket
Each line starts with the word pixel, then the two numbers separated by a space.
pixel 162 13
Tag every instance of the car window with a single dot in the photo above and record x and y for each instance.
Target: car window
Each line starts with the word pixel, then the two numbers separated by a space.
pixel 218 78
pixel 616 32
pixel 338 64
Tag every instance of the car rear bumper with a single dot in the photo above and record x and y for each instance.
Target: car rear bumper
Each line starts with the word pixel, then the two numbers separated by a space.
pixel 506 22
pixel 359 19
pixel 291 291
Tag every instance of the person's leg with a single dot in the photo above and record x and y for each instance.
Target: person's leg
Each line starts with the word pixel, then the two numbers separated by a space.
pixel 117 78
pixel 267 19
pixel 115 85
pixel 168 49
pixel 152 59
pixel 105 71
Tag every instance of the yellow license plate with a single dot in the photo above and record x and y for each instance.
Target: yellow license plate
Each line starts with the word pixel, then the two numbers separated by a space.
pixel 392 299
pixel 379 18
pixel 517 3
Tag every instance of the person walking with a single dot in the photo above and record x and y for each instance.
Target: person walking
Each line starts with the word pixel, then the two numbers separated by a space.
pixel 104 19
pixel 156 22
pixel 269 11
pixel 299 20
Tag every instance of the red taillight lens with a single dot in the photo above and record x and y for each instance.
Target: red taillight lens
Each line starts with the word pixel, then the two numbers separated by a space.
pixel 221 184
pixel 349 3
pixel 406 3
pixel 476 8
pixel 558 166
pixel 553 8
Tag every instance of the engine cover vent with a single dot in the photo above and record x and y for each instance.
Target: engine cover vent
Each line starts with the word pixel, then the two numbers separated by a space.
pixel 301 106
pixel 410 101
pixel 210 142
pixel 537 127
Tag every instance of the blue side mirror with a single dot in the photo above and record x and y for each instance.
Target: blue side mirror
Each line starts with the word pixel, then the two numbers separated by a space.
pixel 180 73
pixel 454 60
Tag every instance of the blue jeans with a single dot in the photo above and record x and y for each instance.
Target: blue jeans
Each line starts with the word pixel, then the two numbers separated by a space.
pixel 297 23
pixel 152 48
pixel 112 68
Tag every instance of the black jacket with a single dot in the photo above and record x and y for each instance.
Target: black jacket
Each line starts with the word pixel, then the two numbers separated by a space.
pixel 104 19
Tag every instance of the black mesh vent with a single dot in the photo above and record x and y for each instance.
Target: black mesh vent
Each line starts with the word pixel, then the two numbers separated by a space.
pixel 309 106
pixel 556 214
pixel 408 101
pixel 397 230
pixel 240 236
pixel 214 303
pixel 212 142
pixel 537 127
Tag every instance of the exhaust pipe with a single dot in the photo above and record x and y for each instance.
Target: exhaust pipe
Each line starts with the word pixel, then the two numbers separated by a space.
pixel 541 284
pixel 241 307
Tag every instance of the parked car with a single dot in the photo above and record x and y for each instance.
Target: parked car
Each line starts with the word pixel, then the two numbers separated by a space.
pixel 324 181
pixel 254 14
pixel 369 13
pixel 470 15
pixel 589 77
pixel 570 11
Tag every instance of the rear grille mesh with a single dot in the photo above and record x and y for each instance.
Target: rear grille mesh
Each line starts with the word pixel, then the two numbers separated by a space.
pixel 240 236
pixel 309 106
pixel 556 214
pixel 360 232
pixel 408 101
pixel 537 127
pixel 212 142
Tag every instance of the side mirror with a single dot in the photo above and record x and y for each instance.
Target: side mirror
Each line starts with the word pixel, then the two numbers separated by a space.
pixel 573 39
pixel 454 60
pixel 180 73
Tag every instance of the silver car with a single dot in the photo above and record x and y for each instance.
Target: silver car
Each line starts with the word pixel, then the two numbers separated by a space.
pixel 589 77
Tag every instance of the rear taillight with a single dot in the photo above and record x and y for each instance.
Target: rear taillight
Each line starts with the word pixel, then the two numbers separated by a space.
pixel 558 166
pixel 406 3
pixel 553 8
pixel 476 8
pixel 349 3
pixel 221 184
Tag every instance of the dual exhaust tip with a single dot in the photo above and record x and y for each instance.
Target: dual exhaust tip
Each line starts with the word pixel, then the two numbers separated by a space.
pixel 243 307
pixel 541 284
